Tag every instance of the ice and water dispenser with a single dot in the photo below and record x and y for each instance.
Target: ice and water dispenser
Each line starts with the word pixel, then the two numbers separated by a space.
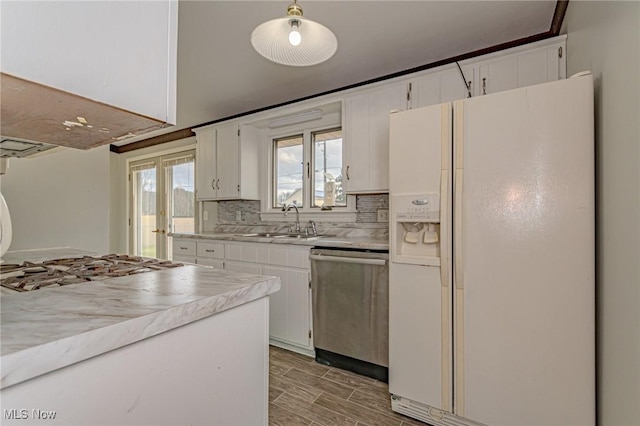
pixel 415 229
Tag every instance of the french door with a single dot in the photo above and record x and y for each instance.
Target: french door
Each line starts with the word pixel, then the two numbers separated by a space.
pixel 162 201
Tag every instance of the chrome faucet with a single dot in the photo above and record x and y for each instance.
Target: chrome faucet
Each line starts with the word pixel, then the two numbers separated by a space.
pixel 314 230
pixel 286 208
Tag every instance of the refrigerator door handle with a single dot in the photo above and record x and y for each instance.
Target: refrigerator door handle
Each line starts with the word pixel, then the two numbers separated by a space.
pixel 458 277
pixel 444 258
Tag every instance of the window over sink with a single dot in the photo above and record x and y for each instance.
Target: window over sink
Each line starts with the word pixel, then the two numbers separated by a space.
pixel 307 170
pixel 303 167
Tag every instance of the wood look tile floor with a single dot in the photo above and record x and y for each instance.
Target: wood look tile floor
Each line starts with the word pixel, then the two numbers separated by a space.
pixel 304 392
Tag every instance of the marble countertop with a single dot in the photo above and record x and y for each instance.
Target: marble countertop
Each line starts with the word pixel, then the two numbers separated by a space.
pixel 369 243
pixel 45 330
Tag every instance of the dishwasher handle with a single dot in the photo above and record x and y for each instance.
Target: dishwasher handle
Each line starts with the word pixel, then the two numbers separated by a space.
pixel 360 260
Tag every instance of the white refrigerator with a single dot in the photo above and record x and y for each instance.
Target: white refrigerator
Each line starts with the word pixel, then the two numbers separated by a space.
pixel 492 246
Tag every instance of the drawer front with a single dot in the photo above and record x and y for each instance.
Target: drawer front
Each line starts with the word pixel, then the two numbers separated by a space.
pixel 298 257
pixel 285 255
pixel 212 250
pixel 184 248
pixel 207 261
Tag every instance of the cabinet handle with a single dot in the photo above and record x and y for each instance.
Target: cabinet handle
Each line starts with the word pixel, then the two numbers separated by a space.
pixel 217 184
pixel 213 186
pixel 484 85
pixel 209 250
pixel 308 176
pixel 183 248
pixel 348 172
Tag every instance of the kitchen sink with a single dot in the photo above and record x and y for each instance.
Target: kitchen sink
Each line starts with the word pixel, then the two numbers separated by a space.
pixel 265 234
pixel 296 235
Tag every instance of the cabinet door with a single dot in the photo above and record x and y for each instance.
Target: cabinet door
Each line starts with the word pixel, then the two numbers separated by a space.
pixel 452 86
pixel 520 70
pixel 290 308
pixel 227 158
pixel 366 167
pixel 205 165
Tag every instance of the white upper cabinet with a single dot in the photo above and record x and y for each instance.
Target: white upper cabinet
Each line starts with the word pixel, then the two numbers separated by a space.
pixel 227 163
pixel 206 164
pixel 523 69
pixel 442 86
pixel 366 133
pixel 367 111
pixel 120 53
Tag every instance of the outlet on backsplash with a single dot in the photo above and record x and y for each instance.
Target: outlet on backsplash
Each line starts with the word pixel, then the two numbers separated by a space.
pixel 383 215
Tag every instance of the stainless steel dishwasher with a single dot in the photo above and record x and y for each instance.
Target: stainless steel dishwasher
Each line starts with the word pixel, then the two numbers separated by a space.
pixel 350 293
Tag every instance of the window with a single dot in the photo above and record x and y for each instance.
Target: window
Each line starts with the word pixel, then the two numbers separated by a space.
pixel 288 171
pixel 307 170
pixel 327 176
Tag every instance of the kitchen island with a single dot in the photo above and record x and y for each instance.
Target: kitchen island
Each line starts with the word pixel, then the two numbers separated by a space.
pixel 187 345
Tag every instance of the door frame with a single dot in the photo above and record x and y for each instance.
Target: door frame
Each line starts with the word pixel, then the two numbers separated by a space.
pixel 128 189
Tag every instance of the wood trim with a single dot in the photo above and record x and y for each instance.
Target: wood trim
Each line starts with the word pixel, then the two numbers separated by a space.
pixel 558 17
pixel 554 30
pixel 156 140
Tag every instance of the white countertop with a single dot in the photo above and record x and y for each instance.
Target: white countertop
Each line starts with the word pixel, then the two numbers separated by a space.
pixel 48 329
pixel 368 243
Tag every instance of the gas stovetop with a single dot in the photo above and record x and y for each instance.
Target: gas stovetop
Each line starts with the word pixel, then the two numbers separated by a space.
pixel 59 272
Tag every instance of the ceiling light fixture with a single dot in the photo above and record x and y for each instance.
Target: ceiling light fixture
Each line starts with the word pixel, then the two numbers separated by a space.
pixel 293 40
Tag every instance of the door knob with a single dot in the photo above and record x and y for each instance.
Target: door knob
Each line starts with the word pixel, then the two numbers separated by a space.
pixel 158 230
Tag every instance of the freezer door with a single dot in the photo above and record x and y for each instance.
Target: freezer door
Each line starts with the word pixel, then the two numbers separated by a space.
pixel 420 297
pixel 524 256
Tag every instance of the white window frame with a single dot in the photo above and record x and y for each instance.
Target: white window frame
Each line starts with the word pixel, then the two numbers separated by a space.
pixel 307 212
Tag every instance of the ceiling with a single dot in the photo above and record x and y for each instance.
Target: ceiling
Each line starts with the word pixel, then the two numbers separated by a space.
pixel 220 75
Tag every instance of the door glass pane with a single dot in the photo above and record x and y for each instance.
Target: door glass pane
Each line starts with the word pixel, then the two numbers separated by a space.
pixel 181 199
pixel 327 177
pixel 145 214
pixel 288 171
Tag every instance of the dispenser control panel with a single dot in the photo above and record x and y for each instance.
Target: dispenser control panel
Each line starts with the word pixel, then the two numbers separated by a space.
pixel 417 207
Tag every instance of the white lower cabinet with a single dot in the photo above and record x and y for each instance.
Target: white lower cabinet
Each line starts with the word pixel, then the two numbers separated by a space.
pixel 214 263
pixel 247 268
pixel 199 252
pixel 290 308
pixel 183 259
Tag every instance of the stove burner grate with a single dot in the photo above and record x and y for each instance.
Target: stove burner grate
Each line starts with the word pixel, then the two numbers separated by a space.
pixel 59 272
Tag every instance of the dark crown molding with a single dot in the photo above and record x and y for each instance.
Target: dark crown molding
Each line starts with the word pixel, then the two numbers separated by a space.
pixel 554 30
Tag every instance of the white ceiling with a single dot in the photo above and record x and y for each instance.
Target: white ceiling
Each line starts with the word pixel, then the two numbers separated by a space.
pixel 219 73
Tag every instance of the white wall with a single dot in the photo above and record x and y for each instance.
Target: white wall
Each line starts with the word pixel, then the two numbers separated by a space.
pixel 604 37
pixel 59 199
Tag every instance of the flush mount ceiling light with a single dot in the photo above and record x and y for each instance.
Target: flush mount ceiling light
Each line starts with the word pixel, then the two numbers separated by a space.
pixel 294 40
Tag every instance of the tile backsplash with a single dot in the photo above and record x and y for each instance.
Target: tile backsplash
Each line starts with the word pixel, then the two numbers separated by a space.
pixel 367 207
